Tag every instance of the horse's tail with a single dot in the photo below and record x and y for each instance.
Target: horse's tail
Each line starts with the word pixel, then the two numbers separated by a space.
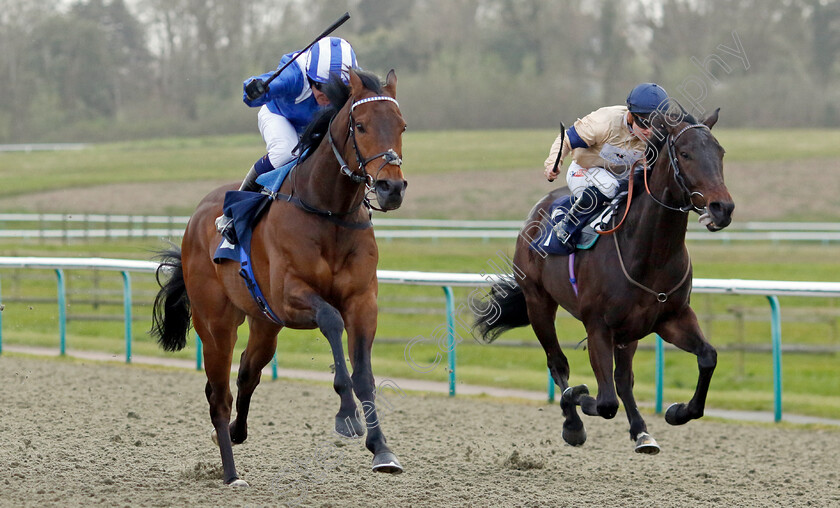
pixel 504 309
pixel 171 310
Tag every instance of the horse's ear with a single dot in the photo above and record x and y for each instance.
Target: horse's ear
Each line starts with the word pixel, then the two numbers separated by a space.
pixel 391 83
pixel 711 120
pixel 356 85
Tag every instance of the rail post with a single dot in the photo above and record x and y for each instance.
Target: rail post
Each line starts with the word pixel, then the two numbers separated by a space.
pixel 450 334
pixel 776 331
pixel 127 313
pixel 660 372
pixel 62 312
pixel 198 352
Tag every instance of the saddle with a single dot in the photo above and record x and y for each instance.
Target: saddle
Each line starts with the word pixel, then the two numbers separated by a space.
pixel 246 209
pixel 585 235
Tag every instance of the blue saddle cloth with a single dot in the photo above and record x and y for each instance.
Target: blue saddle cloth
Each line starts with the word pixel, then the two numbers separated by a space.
pixel 246 209
pixel 273 179
pixel 584 237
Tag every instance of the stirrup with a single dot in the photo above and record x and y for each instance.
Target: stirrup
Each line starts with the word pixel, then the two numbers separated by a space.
pixel 223 222
pixel 562 235
pixel 224 225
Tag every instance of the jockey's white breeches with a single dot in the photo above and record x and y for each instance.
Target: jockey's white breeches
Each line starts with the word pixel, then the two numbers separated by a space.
pixel 279 135
pixel 579 179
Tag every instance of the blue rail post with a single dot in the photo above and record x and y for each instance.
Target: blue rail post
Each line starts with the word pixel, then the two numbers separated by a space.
pixel 274 366
pixel 62 312
pixel 450 342
pixel 198 352
pixel 127 313
pixel 776 330
pixel 550 387
pixel 660 372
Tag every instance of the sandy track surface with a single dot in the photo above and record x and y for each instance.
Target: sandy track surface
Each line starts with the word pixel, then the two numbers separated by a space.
pixel 76 433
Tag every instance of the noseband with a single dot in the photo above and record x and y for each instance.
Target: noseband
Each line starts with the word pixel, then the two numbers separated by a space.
pixel 388 156
pixel 672 156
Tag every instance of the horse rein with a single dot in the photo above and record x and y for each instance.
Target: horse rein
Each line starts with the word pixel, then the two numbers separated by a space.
pixel 388 156
pixel 660 296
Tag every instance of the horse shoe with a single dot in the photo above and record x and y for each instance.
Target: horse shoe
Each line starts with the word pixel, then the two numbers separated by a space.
pixel 646 444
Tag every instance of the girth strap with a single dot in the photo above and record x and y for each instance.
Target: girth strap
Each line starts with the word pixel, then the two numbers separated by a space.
pixel 325 214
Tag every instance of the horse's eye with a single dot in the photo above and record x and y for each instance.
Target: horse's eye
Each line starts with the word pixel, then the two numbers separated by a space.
pixel 360 127
pixel 685 156
pixel 405 128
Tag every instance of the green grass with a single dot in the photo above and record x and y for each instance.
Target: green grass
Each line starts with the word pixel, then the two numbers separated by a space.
pixel 425 152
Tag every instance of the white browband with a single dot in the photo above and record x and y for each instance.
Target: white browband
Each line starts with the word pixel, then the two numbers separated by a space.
pixel 372 99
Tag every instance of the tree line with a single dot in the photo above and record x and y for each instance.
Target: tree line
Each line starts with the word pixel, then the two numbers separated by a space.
pixel 92 70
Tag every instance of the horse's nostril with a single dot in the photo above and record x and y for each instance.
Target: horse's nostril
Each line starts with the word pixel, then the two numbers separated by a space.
pixel 383 186
pixel 718 208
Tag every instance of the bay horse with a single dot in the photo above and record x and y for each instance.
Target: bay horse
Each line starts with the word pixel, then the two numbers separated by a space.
pixel 314 257
pixel 632 283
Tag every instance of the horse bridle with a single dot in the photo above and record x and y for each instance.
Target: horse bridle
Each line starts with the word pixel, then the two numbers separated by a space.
pixel 672 156
pixel 389 156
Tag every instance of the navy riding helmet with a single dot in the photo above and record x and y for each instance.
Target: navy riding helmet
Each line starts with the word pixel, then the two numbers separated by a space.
pixel 647 98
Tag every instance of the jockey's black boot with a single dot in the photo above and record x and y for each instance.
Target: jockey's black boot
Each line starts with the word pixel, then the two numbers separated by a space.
pixel 250 181
pixel 224 224
pixel 585 206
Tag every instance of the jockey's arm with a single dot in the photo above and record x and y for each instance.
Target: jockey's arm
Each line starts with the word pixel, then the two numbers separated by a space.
pixel 560 146
pixel 287 83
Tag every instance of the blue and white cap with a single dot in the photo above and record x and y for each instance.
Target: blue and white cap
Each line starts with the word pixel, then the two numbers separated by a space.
pixel 330 55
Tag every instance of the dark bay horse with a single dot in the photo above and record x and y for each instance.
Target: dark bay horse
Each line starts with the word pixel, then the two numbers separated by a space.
pixel 314 257
pixel 632 283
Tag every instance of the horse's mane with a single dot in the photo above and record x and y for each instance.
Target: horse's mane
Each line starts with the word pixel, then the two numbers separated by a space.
pixel 338 93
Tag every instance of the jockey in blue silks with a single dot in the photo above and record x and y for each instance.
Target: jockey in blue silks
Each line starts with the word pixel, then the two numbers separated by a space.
pixel 604 145
pixel 291 102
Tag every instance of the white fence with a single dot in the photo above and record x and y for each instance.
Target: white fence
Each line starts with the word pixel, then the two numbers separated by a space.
pixel 75 226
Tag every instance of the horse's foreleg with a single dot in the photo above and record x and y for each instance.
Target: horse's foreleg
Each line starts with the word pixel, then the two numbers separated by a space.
pixel 684 332
pixel 600 344
pixel 262 343
pixel 624 385
pixel 360 316
pixel 331 324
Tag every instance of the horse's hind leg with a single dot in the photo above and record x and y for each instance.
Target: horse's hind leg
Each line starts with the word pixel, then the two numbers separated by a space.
pixel 218 336
pixel 624 385
pixel 262 343
pixel 684 332
pixel 541 312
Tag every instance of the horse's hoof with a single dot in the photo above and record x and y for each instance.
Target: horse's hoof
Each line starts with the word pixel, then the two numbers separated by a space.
pixel 349 427
pixel 386 463
pixel 238 483
pixel 646 444
pixel 677 414
pixel 574 437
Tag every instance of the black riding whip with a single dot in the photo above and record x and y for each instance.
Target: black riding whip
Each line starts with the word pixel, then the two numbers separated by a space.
pixel 257 88
pixel 562 140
